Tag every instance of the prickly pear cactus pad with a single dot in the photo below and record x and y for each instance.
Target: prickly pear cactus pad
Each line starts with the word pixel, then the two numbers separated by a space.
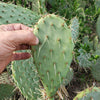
pixel 26 78
pixel 53 55
pixel 10 13
pixel 74 28
pixel 92 93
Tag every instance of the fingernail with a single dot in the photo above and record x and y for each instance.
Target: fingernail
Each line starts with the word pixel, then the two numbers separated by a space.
pixel 37 40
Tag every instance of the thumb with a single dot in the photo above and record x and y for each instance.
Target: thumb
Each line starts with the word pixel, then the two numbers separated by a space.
pixel 22 37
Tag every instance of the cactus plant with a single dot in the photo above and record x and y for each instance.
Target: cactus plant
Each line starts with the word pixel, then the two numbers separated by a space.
pixel 10 13
pixel 92 93
pixel 53 55
pixel 6 91
pixel 83 59
pixel 74 28
pixel 26 79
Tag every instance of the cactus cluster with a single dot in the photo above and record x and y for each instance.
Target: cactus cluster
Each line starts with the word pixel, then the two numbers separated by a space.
pixel 84 58
pixel 52 57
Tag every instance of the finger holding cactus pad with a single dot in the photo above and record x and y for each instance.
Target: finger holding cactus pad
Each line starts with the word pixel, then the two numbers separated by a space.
pixel 92 93
pixel 53 55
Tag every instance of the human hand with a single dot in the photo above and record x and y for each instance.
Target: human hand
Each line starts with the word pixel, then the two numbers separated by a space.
pixel 15 37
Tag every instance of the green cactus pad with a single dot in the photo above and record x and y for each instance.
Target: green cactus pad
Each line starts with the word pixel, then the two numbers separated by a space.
pixel 10 13
pixel 92 93
pixel 6 91
pixel 26 79
pixel 83 59
pixel 95 70
pixel 75 28
pixel 53 55
pixel 98 27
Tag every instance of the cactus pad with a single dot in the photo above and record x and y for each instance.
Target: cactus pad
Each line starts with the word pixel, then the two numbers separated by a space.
pixel 10 13
pixel 53 55
pixel 26 78
pixel 92 93
pixel 75 28
pixel 83 59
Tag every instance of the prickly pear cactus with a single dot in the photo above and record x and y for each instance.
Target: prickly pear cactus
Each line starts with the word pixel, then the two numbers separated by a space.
pixel 10 13
pixel 6 91
pixel 92 93
pixel 26 79
pixel 74 28
pixel 53 55
pixel 95 70
pixel 98 27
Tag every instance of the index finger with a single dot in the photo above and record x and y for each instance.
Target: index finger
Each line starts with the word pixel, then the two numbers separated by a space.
pixel 15 26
